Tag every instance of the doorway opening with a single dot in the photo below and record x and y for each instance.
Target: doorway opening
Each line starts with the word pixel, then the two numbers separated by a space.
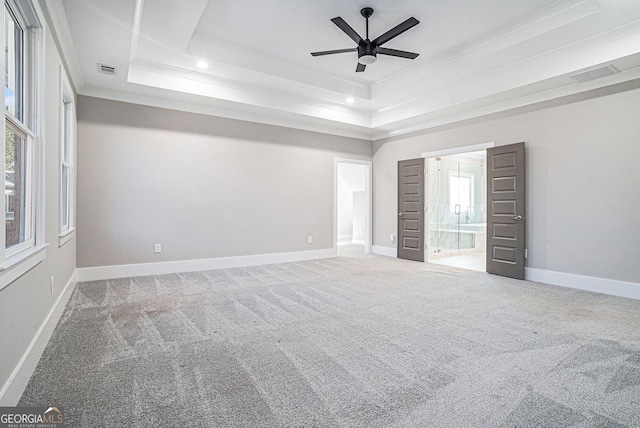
pixel 456 223
pixel 353 208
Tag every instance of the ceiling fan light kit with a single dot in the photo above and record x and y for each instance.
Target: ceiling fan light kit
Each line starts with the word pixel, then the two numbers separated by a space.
pixel 368 50
pixel 367 58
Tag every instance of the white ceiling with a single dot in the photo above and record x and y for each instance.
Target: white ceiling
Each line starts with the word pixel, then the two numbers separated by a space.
pixel 477 57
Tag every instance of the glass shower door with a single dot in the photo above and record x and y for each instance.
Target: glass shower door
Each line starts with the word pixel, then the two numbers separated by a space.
pixel 456 203
pixel 434 205
pixel 442 230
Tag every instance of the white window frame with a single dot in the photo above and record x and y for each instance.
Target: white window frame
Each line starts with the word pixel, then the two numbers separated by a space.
pixel 67 160
pixel 14 261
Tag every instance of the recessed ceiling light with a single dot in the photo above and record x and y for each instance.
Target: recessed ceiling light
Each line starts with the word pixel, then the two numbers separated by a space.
pixel 350 100
pixel 202 64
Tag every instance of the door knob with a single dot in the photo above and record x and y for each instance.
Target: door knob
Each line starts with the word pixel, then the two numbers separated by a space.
pixel 400 215
pixel 518 218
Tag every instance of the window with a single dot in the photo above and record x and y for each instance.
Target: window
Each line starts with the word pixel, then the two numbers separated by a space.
pixel 18 184
pixel 23 163
pixel 460 192
pixel 67 156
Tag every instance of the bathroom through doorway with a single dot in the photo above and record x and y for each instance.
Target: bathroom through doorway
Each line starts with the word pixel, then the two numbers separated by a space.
pixel 456 222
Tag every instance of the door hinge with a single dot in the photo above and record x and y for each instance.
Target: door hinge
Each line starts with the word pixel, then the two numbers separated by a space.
pixel 425 171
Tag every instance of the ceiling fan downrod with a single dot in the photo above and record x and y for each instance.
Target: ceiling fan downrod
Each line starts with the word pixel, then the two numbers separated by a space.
pixel 366 12
pixel 367 52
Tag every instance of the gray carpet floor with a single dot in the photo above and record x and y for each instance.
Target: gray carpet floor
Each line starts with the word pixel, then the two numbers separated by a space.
pixel 354 341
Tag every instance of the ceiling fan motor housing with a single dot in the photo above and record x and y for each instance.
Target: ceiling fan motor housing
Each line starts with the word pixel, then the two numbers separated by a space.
pixel 367 53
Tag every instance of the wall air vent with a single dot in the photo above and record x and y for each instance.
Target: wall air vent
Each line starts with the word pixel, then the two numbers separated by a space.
pixel 596 73
pixel 107 69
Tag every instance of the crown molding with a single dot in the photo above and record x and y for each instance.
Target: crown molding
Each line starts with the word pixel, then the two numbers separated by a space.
pixel 224 109
pixel 59 27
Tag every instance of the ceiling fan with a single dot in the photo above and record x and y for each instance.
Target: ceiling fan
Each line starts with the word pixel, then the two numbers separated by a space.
pixel 369 49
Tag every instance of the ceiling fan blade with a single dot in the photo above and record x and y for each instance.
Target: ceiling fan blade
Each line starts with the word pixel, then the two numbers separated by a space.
pixel 360 68
pixel 394 52
pixel 342 24
pixel 395 31
pixel 336 51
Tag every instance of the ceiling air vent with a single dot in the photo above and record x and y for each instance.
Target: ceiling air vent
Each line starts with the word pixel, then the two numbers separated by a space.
pixel 596 73
pixel 107 69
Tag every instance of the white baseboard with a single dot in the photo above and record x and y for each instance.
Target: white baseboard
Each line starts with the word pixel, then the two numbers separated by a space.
pixel 384 251
pixel 345 237
pixel 612 287
pixel 161 268
pixel 14 386
pixel 357 242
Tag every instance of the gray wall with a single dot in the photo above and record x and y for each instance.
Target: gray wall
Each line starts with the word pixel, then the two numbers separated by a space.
pixel 583 182
pixel 26 302
pixel 359 215
pixel 203 187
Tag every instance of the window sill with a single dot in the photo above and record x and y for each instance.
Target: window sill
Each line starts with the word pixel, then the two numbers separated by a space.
pixel 65 237
pixel 16 266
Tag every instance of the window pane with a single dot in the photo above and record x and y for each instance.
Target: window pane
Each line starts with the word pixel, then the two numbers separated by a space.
pixel 64 202
pixel 17 217
pixel 13 65
pixel 66 107
pixel 66 168
pixel 460 190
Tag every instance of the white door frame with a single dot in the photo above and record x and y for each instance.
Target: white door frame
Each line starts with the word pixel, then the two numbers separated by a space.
pixel 368 191
pixel 459 150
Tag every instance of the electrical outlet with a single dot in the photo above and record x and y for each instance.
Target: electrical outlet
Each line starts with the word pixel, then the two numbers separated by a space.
pixel 309 239
pixel 157 248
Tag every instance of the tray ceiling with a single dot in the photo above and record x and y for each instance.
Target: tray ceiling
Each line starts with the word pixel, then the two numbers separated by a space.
pixel 476 58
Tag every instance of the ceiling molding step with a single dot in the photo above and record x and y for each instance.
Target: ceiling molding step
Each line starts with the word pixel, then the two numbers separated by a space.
pixel 156 75
pixel 223 72
pixel 250 60
pixel 136 30
pixel 244 113
pixel 55 15
pixel 162 35
pixel 542 21
pixel 606 47
pixel 499 109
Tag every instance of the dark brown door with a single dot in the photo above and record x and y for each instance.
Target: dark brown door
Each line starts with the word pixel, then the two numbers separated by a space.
pixel 505 210
pixel 411 209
